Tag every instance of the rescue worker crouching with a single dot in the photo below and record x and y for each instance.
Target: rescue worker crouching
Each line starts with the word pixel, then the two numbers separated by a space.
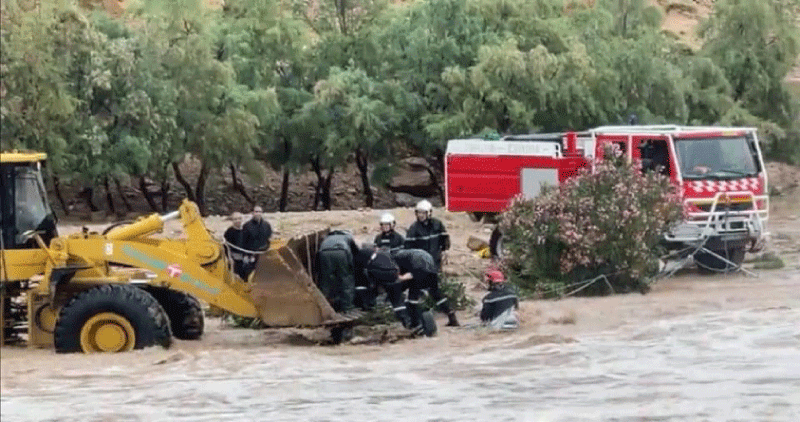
pixel 418 272
pixel 428 234
pixel 336 268
pixel 389 239
pixel 366 291
pixel 500 306
pixel 382 272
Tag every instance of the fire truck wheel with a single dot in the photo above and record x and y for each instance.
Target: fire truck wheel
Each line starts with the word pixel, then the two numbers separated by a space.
pixel 496 243
pixel 476 216
pixel 710 264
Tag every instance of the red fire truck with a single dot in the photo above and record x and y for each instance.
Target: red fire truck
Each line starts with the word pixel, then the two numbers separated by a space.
pixel 720 172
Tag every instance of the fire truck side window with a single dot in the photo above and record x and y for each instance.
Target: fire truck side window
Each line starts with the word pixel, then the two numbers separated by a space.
pixel 655 156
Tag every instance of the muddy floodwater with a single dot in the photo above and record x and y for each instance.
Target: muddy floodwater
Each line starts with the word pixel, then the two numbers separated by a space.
pixel 741 365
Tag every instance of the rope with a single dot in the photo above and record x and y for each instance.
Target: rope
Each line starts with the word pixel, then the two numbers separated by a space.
pixel 243 250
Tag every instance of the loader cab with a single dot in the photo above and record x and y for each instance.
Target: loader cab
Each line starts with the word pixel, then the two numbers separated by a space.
pixel 23 200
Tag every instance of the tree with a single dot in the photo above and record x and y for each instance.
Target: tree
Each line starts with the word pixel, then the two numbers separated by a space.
pixel 36 101
pixel 756 43
pixel 214 123
pixel 265 44
pixel 362 121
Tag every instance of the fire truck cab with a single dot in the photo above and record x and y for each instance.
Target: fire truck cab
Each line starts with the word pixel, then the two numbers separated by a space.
pixel 719 171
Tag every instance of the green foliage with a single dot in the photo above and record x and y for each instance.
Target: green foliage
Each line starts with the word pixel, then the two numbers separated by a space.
pixel 608 221
pixel 756 43
pixel 294 83
pixel 456 294
pixel 769 261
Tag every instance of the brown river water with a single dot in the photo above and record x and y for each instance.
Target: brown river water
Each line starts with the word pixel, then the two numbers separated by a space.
pixel 739 365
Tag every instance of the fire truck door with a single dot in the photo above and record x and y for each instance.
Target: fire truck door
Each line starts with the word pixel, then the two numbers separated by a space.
pixel 654 153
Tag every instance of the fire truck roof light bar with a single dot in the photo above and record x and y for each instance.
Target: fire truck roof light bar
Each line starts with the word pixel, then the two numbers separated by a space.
pixel 664 129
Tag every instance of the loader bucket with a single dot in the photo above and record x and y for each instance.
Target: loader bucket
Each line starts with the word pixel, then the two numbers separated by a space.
pixel 283 288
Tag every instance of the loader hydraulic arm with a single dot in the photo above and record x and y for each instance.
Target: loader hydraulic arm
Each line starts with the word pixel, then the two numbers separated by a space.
pixel 195 265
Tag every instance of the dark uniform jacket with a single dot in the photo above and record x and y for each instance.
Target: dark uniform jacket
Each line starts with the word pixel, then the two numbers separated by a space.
pixel 339 239
pixel 430 236
pixel 391 241
pixel 415 261
pixel 235 237
pixel 498 301
pixel 257 235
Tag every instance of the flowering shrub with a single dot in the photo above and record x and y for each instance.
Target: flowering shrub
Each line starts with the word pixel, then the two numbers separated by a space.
pixel 609 221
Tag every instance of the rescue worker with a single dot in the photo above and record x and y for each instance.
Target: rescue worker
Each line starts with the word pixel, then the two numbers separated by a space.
pixel 383 272
pixel 234 238
pixel 388 238
pixel 418 272
pixel 428 234
pixel 366 291
pixel 257 234
pixel 500 305
pixel 336 268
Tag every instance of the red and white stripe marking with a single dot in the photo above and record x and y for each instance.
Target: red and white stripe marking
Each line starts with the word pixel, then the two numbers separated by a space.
pixel 751 184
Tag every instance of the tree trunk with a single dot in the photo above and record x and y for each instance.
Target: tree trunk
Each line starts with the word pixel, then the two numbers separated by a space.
pixel 239 186
pixel 164 192
pixel 326 191
pixel 109 198
pixel 185 183
pixel 87 194
pixel 318 186
pixel 128 206
pixel 200 188
pixel 284 191
pixel 147 195
pixel 362 161
pixel 57 189
pixel 439 169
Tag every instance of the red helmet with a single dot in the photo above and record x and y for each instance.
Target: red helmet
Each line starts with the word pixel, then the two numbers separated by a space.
pixel 495 276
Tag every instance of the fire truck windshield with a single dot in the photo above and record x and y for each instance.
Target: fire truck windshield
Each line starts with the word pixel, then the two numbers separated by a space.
pixel 717 158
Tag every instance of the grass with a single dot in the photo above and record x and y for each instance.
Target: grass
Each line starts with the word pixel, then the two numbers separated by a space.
pixel 794 87
pixel 768 261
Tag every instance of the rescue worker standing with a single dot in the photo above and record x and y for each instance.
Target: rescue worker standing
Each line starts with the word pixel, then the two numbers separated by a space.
pixel 418 272
pixel 234 237
pixel 428 234
pixel 500 305
pixel 337 269
pixel 257 234
pixel 389 239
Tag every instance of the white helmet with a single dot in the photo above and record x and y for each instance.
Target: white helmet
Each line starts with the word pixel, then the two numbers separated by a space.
pixel 387 218
pixel 424 205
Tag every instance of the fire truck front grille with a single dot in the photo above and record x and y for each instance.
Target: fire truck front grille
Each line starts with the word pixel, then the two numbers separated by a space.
pixel 721 207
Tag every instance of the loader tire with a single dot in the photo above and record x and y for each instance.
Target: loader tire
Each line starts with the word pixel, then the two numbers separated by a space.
pixel 185 314
pixel 111 318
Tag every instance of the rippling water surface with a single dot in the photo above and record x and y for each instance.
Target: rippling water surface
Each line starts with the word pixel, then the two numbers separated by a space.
pixel 732 366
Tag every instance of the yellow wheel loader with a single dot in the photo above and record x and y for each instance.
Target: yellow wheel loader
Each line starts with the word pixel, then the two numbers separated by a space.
pixel 127 288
